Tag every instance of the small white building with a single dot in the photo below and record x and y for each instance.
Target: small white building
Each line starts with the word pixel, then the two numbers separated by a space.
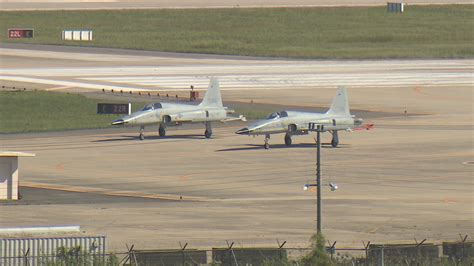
pixel 9 174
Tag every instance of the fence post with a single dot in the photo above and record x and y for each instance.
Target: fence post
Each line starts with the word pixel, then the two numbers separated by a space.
pixel 130 253
pixel 382 262
pixel 332 248
pixel 280 247
pixel 366 248
pixel 182 251
pixel 418 246
pixel 231 251
pixel 463 239
pixel 25 257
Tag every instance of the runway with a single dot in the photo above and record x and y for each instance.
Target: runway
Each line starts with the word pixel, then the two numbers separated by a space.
pixel 242 78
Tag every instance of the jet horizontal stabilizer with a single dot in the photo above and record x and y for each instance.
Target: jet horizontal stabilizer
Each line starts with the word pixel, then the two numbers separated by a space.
pixel 233 118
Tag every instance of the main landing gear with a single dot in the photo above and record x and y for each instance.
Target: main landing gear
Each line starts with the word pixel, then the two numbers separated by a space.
pixel 141 136
pixel 287 139
pixel 162 130
pixel 208 132
pixel 267 145
pixel 335 139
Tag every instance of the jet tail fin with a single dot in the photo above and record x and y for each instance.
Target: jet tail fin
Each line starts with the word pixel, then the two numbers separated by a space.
pixel 213 94
pixel 340 103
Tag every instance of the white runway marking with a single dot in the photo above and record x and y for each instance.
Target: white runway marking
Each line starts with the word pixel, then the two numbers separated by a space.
pixel 304 80
pixel 252 67
pixel 256 82
pixel 255 75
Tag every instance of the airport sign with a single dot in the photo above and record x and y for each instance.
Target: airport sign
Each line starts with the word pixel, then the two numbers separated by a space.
pixel 113 108
pixel 20 33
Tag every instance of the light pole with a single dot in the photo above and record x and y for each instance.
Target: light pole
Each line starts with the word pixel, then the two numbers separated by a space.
pixel 318 129
pixel 318 178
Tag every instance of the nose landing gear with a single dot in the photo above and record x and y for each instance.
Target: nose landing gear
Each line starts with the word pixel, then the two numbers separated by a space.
pixel 141 136
pixel 267 145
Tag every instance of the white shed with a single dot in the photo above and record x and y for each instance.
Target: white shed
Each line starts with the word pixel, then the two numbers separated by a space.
pixel 9 174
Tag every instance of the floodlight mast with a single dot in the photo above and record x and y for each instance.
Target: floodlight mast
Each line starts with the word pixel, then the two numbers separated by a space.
pixel 318 178
pixel 318 128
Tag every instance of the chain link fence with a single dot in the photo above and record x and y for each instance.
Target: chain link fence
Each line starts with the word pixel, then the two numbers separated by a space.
pixel 447 253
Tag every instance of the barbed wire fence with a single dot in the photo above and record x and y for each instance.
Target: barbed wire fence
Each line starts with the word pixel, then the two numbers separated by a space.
pixel 419 253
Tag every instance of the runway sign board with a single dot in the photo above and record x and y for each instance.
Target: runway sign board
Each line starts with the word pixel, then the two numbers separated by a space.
pixel 20 33
pixel 395 7
pixel 76 35
pixel 114 108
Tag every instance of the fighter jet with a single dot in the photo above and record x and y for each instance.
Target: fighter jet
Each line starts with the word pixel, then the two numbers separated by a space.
pixel 337 118
pixel 171 114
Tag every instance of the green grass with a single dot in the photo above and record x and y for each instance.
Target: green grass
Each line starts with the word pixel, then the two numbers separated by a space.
pixel 443 31
pixel 47 111
pixel 38 111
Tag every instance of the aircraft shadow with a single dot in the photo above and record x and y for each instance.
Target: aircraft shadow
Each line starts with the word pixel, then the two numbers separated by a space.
pixel 128 137
pixel 283 146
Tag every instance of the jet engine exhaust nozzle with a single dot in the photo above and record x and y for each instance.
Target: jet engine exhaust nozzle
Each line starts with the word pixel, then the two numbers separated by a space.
pixel 118 122
pixel 243 131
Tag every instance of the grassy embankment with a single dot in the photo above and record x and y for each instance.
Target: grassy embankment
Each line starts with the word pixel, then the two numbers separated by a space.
pixel 444 31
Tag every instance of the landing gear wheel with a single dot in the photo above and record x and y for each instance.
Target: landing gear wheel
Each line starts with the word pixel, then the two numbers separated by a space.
pixel 287 139
pixel 266 145
pixel 141 136
pixel 335 139
pixel 208 132
pixel 162 131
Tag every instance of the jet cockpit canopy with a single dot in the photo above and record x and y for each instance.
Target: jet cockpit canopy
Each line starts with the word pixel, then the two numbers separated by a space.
pixel 277 115
pixel 151 106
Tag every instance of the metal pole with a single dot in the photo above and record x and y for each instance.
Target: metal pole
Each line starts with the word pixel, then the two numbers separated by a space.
pixel 382 263
pixel 318 181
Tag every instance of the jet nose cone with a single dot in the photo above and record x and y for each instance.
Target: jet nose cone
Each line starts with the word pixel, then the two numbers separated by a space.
pixel 118 122
pixel 243 131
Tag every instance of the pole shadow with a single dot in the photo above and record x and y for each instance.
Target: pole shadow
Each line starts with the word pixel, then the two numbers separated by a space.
pixel 248 147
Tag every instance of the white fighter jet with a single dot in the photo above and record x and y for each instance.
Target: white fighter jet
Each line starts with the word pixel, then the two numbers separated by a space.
pixel 337 118
pixel 171 114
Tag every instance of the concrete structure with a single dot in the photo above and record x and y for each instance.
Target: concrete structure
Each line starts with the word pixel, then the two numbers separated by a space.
pixel 40 250
pixel 68 229
pixel 9 174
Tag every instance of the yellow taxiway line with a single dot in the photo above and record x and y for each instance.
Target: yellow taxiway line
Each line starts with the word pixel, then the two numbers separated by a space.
pixel 100 191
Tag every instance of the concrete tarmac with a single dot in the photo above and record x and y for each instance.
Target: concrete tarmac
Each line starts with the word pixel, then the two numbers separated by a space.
pixel 395 183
